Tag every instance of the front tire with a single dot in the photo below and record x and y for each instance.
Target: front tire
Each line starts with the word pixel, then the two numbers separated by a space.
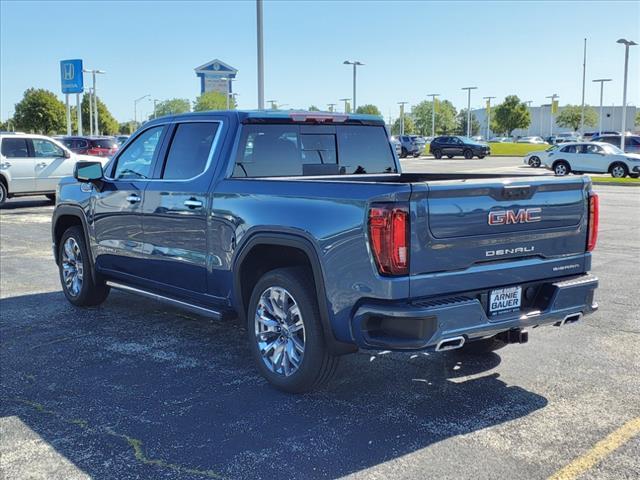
pixel 285 332
pixel 437 154
pixel 3 193
pixel 74 267
pixel 468 154
pixel 534 162
pixel 618 170
pixel 403 153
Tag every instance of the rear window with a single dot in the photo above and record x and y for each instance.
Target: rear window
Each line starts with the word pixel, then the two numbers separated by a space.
pixel 15 148
pixel 190 149
pixel 104 143
pixel 292 150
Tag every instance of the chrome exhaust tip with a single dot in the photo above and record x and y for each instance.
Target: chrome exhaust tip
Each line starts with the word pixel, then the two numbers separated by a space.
pixel 449 344
pixel 571 318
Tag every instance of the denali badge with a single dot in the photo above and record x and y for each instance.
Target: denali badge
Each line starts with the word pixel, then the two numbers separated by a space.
pixel 508 251
pixel 507 217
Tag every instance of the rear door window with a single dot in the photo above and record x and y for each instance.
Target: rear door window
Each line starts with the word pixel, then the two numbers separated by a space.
pixel 15 148
pixel 189 151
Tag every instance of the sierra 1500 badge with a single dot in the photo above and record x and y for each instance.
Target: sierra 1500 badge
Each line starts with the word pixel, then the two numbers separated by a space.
pixel 508 217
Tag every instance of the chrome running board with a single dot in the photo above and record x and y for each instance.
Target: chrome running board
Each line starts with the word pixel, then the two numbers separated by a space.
pixel 171 301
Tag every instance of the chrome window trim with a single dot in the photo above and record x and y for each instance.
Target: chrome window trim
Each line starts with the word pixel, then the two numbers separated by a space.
pixel 212 151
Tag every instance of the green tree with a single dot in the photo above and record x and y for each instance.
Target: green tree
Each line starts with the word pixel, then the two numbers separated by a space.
pixel 368 109
pixel 40 111
pixel 509 115
pixel 213 101
pixel 313 108
pixel 107 125
pixel 445 117
pixel 569 117
pixel 7 126
pixel 127 128
pixel 462 123
pixel 172 106
pixel 637 122
pixel 409 126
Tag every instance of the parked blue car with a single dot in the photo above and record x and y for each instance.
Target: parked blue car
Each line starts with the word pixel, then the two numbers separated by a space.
pixel 303 226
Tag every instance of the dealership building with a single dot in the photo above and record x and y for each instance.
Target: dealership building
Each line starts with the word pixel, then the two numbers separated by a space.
pixel 542 121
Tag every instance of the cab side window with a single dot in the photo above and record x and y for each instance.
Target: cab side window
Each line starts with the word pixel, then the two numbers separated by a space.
pixel 189 151
pixel 15 148
pixel 136 161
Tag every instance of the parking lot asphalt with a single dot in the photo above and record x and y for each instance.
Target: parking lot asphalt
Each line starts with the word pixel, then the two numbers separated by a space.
pixel 135 389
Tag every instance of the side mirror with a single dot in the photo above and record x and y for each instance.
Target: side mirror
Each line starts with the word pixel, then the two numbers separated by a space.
pixel 88 171
pixel 66 154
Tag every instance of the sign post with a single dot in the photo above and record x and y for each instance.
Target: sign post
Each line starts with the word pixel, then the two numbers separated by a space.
pixel 71 81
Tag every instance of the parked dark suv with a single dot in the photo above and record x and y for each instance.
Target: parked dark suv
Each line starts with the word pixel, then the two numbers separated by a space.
pixel 452 146
pixel 631 142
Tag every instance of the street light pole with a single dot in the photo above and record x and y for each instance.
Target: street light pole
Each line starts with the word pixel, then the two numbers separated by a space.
pixel 627 44
pixel 553 99
pixel 346 103
pixel 273 104
pixel 468 89
pixel 93 101
pixel 433 113
pixel 260 55
pixel 331 106
pixel 135 107
pixel 601 80
pixel 584 76
pixel 402 104
pixel 488 99
pixel 355 64
pixel 528 103
pixel 90 111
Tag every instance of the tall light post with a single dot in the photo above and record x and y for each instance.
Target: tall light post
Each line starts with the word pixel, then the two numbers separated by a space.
pixel 90 92
pixel 331 106
pixel 468 89
pixel 135 107
pixel 627 44
pixel 355 64
pixel 402 104
pixel 488 99
pixel 584 76
pixel 260 45
pixel 528 103
pixel 274 105
pixel 93 73
pixel 346 103
pixel 602 81
pixel 433 113
pixel 553 99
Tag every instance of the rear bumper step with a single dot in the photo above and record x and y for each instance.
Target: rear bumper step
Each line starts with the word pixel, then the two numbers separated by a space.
pixel 446 324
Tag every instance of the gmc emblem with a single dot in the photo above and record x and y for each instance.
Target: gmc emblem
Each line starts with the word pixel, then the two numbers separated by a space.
pixel 508 217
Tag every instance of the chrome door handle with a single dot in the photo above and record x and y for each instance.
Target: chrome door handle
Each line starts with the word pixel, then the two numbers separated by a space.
pixel 133 198
pixel 193 203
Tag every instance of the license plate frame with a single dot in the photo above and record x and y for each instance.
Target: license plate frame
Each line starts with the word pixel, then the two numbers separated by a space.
pixel 504 300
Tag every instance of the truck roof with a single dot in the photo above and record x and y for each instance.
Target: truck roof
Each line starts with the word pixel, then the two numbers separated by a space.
pixel 290 115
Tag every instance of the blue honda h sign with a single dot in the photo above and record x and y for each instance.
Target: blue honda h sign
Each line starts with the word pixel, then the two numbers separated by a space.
pixel 71 76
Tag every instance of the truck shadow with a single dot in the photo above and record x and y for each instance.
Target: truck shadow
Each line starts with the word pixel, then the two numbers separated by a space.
pixel 137 389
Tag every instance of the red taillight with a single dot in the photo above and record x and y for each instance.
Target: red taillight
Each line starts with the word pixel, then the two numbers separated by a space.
pixel 594 214
pixel 389 237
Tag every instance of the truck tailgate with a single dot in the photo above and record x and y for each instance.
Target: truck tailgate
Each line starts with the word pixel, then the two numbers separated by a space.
pixel 459 224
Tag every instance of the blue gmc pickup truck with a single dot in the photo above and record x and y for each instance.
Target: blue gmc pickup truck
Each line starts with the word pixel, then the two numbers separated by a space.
pixel 303 226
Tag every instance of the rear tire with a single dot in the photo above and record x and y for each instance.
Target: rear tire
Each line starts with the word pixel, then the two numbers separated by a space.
pixel 561 168
pixel 618 170
pixel 482 347
pixel 468 154
pixel 74 267
pixel 285 332
pixel 403 153
pixel 438 154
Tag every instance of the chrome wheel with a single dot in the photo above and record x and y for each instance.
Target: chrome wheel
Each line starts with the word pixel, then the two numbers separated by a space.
pixel 72 267
pixel 618 171
pixel 279 331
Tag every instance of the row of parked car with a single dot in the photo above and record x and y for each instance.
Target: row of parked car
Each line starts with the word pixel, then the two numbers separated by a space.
pixel 96 146
pixel 588 157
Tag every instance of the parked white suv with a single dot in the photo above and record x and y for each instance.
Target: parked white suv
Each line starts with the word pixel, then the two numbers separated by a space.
pixel 33 165
pixel 592 157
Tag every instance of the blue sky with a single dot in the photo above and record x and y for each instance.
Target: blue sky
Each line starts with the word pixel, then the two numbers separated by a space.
pixel 410 49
